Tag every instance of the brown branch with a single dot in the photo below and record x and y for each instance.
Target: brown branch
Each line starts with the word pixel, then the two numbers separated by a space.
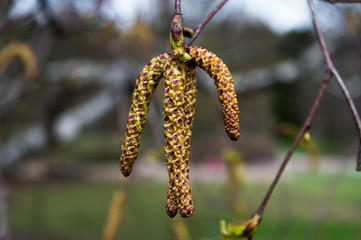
pixel 331 71
pixel 51 21
pixel 205 21
pixel 340 81
pixel 306 126
pixel 177 7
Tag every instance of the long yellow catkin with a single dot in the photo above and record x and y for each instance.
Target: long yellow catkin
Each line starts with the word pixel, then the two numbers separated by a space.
pixel 24 53
pixel 145 85
pixel 189 109
pixel 175 133
pixel 222 77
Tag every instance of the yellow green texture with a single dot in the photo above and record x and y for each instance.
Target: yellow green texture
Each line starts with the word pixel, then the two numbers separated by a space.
pixel 175 133
pixel 145 85
pixel 179 74
pixel 222 77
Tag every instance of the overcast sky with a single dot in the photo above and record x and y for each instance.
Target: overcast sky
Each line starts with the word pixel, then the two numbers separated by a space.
pixel 280 15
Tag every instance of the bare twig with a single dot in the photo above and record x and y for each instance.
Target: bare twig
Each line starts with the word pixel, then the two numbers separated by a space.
pixel 205 21
pixel 330 72
pixel 306 126
pixel 177 7
pixel 340 81
pixel 52 22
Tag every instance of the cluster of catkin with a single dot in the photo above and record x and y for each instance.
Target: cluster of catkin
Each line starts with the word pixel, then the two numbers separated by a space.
pixel 179 76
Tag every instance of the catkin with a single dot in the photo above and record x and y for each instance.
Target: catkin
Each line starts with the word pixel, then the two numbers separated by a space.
pixel 179 107
pixel 189 109
pixel 171 204
pixel 222 77
pixel 175 135
pixel 190 105
pixel 24 53
pixel 145 85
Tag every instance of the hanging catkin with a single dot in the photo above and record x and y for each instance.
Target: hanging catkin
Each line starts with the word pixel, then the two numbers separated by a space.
pixel 175 135
pixel 222 77
pixel 145 85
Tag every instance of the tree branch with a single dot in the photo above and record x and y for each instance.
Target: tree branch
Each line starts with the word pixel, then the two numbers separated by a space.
pixel 52 22
pixel 177 7
pixel 330 72
pixel 205 21
pixel 332 68
pixel 306 126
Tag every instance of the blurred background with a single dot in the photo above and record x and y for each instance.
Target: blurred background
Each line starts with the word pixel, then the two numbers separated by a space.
pixel 64 104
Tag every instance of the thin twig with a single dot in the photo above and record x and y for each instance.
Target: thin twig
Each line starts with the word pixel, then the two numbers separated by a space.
pixel 340 81
pixel 177 7
pixel 52 22
pixel 306 126
pixel 331 71
pixel 205 21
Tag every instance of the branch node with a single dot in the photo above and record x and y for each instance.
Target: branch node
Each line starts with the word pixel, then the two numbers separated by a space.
pixel 205 21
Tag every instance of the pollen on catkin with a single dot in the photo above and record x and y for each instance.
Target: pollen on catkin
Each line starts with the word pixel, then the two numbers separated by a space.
pixel 189 109
pixel 171 203
pixel 222 77
pixel 175 135
pixel 145 85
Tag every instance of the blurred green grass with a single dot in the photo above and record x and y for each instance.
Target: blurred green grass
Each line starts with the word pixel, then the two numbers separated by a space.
pixel 77 210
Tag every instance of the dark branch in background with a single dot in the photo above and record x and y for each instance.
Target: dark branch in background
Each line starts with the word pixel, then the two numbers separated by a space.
pixel 52 22
pixel 330 72
pixel 205 21
pixel 332 68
